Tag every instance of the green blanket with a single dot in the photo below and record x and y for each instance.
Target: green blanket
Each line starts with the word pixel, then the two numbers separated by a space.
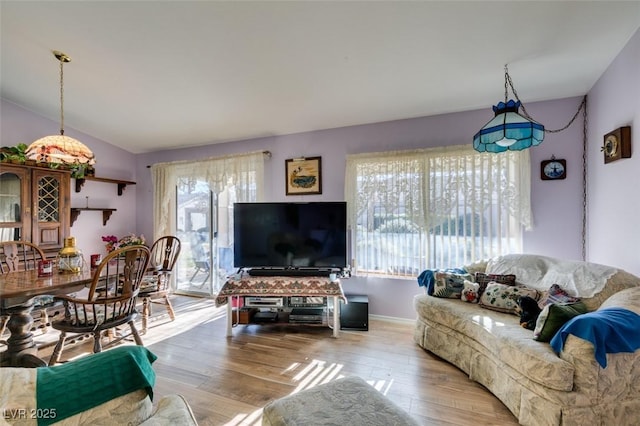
pixel 74 387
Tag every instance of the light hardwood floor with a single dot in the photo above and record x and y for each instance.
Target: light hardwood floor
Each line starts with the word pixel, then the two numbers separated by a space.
pixel 227 381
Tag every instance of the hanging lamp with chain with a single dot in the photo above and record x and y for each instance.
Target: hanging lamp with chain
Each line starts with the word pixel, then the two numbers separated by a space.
pixel 508 130
pixel 60 149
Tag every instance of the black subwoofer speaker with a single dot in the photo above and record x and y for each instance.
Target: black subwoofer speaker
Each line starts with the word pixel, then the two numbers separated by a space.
pixel 355 314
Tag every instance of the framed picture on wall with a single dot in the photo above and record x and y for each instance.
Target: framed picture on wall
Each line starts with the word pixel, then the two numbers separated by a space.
pixel 303 176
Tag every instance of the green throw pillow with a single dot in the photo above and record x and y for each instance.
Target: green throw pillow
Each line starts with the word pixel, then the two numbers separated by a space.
pixel 553 317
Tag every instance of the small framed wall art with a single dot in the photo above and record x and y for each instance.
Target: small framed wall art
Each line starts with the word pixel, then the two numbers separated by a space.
pixel 553 169
pixel 304 176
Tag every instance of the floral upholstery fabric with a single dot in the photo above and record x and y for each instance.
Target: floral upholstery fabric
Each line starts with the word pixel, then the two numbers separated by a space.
pixel 538 386
pixel 499 335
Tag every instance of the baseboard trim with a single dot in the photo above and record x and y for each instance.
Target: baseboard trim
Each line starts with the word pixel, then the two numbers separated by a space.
pixel 393 319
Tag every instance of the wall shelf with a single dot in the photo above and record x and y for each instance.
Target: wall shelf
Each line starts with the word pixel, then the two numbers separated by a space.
pixel 106 213
pixel 122 184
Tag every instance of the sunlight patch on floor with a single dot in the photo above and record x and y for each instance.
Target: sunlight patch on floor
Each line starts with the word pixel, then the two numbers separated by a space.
pixel 251 419
pixel 382 386
pixel 316 373
pixel 188 316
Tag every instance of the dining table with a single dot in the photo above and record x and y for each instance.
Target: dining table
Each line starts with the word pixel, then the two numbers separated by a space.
pixel 17 292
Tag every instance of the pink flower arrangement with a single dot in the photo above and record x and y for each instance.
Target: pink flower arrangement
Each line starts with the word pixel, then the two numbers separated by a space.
pixel 113 243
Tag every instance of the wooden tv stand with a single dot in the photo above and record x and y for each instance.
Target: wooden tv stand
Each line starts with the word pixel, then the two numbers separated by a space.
pixel 246 285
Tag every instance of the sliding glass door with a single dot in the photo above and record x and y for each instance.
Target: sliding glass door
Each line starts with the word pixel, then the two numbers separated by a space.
pixel 205 227
pixel 194 201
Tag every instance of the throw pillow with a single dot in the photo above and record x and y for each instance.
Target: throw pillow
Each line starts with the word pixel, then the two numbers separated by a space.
pixel 470 292
pixel 504 298
pixel 556 295
pixel 483 279
pixel 449 285
pixel 553 317
pixel 426 279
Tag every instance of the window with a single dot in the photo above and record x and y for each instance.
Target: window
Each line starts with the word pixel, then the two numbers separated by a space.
pixel 435 208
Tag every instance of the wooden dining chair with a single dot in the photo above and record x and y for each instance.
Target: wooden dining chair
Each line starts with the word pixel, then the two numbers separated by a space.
pixel 156 285
pixel 24 256
pixel 110 301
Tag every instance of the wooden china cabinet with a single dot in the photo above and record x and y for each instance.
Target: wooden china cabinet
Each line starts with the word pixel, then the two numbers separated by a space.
pixel 35 205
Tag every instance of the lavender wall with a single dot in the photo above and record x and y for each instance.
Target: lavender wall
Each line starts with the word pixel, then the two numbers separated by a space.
pixel 22 126
pixel 614 200
pixel 614 101
pixel 557 204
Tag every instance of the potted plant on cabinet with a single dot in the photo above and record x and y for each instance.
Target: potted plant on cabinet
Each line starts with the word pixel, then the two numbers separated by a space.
pixel 14 154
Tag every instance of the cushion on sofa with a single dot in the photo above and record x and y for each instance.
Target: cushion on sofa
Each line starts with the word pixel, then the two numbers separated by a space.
pixel 555 294
pixel 553 317
pixel 449 284
pixel 426 278
pixel 484 279
pixel 504 298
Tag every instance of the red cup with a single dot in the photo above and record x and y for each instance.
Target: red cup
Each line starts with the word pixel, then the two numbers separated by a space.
pixel 45 268
pixel 95 260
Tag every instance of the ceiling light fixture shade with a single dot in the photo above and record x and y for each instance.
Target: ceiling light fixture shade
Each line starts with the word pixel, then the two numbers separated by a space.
pixel 60 148
pixel 508 130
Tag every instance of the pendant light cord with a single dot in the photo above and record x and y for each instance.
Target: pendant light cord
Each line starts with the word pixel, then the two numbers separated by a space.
pixel 509 83
pixel 61 97
pixel 584 178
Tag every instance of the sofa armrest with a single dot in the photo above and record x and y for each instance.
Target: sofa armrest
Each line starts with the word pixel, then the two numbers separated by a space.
pixel 627 299
pixel 172 410
pixel 621 377
pixel 620 380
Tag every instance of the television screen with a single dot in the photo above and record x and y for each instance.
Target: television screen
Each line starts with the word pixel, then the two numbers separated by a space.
pixel 298 235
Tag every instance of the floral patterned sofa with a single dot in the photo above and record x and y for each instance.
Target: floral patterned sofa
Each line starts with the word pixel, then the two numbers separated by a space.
pixel 538 385
pixel 114 387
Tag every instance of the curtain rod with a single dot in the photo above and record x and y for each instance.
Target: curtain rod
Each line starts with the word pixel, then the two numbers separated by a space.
pixel 265 152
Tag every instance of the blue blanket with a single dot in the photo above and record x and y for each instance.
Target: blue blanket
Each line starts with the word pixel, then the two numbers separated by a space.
pixel 611 331
pixel 79 385
pixel 426 278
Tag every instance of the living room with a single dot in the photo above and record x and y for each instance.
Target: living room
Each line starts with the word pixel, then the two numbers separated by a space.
pixel 557 206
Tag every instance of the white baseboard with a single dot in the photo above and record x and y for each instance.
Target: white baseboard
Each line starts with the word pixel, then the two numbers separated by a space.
pixel 393 319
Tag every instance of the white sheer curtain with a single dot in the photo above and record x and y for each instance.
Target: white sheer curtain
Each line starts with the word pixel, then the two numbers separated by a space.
pixel 242 173
pixel 435 208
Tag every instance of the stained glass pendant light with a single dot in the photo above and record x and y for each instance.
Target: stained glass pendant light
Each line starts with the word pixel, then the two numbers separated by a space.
pixel 508 130
pixel 60 148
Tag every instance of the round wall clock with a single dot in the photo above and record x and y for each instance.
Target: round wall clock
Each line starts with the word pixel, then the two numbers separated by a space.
pixel 553 169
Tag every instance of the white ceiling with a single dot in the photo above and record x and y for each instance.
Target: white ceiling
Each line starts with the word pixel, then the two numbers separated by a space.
pixel 153 75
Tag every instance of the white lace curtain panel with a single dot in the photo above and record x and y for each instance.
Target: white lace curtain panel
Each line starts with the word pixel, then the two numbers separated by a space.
pixel 435 208
pixel 243 172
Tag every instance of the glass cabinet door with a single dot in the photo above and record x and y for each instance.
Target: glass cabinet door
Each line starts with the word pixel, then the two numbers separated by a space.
pixel 50 221
pixel 14 204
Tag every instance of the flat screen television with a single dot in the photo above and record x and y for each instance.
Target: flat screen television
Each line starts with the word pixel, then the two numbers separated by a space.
pixel 290 235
